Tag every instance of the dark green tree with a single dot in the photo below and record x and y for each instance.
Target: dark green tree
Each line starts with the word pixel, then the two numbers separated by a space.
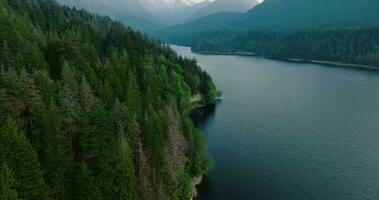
pixel 84 186
pixel 7 183
pixel 23 161
pixel 133 95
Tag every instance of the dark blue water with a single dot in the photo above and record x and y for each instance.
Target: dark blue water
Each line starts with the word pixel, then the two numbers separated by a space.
pixel 288 131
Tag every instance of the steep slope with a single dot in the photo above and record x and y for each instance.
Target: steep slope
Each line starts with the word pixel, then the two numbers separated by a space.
pixel 173 13
pixel 90 109
pixel 211 22
pixel 305 14
pixel 178 33
pixel 224 6
pixel 129 12
pixel 353 46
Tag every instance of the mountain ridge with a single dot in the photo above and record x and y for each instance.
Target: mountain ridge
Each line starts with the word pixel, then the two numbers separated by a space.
pixel 130 12
pixel 300 14
pixel 223 6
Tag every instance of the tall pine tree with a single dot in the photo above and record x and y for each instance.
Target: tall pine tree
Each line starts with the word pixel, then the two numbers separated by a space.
pixel 23 161
pixel 7 182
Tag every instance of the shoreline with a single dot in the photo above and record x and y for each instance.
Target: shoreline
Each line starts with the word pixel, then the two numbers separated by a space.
pixel 319 62
pixel 195 183
pixel 196 101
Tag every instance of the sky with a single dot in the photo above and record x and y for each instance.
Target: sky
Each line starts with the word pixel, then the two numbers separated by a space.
pixel 189 2
pixel 197 1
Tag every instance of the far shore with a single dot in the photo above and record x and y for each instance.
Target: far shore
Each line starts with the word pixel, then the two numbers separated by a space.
pixel 320 62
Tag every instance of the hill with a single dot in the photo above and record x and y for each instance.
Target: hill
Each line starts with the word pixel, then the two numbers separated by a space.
pixel 305 14
pixel 175 12
pixel 224 6
pixel 130 12
pixel 90 109
pixel 185 34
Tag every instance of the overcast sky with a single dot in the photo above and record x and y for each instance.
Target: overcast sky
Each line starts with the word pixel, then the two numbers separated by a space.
pixel 198 1
pixel 189 2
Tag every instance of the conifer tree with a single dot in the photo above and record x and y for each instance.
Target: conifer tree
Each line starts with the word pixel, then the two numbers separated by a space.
pixel 87 97
pixel 7 183
pixel 53 145
pixel 23 161
pixel 133 95
pixel 84 186
pixel 69 81
pixel 126 182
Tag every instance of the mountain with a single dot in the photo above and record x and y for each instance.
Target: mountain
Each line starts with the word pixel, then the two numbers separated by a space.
pixel 173 13
pixel 212 22
pixel 129 12
pixel 224 6
pixel 310 14
pixel 280 15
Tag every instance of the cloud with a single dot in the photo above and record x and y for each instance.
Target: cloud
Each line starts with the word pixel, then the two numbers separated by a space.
pixel 191 2
pixel 188 2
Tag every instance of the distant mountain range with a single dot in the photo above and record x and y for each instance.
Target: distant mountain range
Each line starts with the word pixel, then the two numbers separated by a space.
pixel 173 13
pixel 153 15
pixel 310 14
pixel 130 12
pixel 280 15
pixel 222 15
pixel 182 33
pixel 224 6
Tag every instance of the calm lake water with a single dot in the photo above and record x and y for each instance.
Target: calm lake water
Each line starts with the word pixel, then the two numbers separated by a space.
pixel 289 131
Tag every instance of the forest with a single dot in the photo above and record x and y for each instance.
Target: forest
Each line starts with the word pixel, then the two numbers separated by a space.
pixel 353 46
pixel 90 109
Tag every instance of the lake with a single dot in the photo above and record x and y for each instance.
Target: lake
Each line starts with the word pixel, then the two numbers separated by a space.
pixel 290 131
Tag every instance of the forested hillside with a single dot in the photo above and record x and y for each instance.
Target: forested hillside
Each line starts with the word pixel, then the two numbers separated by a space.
pixel 310 15
pixel 335 31
pixel 217 6
pixel 183 31
pixel 130 12
pixel 353 46
pixel 90 109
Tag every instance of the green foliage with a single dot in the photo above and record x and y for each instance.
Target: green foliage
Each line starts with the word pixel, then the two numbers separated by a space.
pixel 133 96
pixel 7 182
pixel 126 181
pixel 183 92
pixel 211 94
pixel 355 46
pixel 23 161
pixel 199 161
pixel 184 190
pixel 84 185
pixel 81 97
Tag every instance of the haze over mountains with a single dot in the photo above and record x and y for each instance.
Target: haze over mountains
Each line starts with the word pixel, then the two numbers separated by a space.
pixel 212 22
pixel 314 14
pixel 279 15
pixel 129 12
pixel 173 17
pixel 153 15
pixel 174 12
pixel 224 6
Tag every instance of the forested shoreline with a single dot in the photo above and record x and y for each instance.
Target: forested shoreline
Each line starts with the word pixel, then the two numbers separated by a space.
pixel 90 109
pixel 352 46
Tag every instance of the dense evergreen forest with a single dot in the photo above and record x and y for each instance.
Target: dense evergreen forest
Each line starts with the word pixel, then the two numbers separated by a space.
pixel 354 46
pixel 90 109
pixel 344 31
